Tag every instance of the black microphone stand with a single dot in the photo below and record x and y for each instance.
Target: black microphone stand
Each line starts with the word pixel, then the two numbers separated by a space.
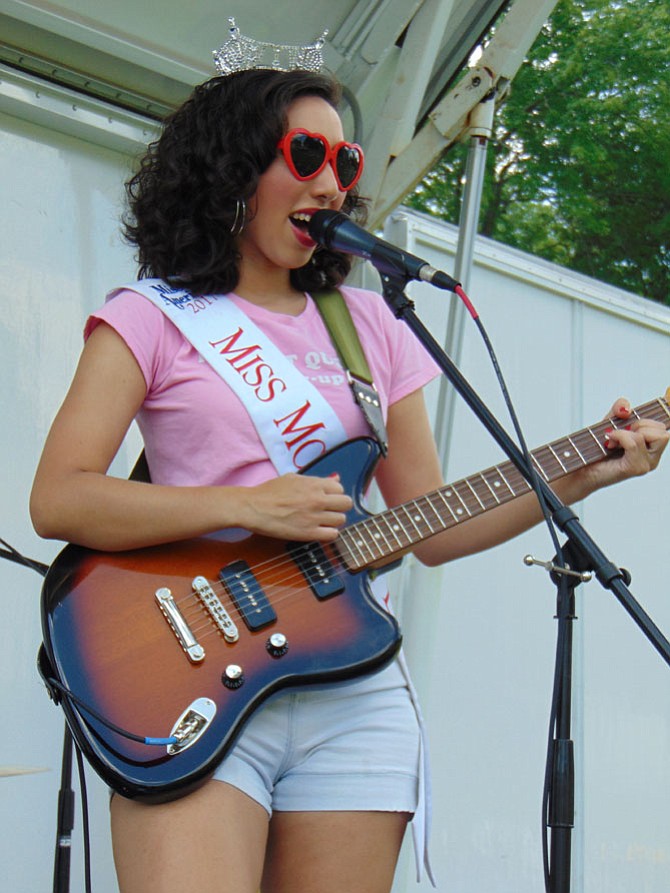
pixel 65 823
pixel 585 554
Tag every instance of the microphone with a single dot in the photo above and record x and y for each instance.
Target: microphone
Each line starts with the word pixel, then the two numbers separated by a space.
pixel 335 230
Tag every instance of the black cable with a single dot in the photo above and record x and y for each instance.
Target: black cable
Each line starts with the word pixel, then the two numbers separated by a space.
pixel 12 554
pixel 85 823
pixel 553 718
pixel 141 739
pixel 560 563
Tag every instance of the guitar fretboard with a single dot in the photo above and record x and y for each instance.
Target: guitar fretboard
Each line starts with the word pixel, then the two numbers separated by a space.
pixel 382 537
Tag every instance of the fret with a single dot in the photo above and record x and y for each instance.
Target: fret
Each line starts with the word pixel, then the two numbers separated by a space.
pixel 474 493
pixel 392 529
pixel 471 499
pixel 398 528
pixel 414 520
pixel 443 496
pixel 372 541
pixel 379 534
pixel 464 508
pixel 418 503
pixel 343 550
pixel 486 498
pixel 438 520
pixel 569 457
pixel 363 544
pixel 517 481
pixel 664 407
pixel 350 537
pixel 615 423
pixel 557 457
pixel 583 441
pixel 492 490
pixel 504 479
pixel 571 441
pixel 539 467
pixel 551 466
pixel 437 502
pixel 363 541
pixel 597 442
pixel 495 480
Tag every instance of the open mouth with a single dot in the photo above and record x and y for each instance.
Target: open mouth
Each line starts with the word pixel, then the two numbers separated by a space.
pixel 300 220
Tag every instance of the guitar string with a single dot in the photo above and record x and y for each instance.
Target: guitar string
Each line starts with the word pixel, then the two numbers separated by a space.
pixel 240 606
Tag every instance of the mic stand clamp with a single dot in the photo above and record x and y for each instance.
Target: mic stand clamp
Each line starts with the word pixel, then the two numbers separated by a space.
pixel 582 576
pixel 393 289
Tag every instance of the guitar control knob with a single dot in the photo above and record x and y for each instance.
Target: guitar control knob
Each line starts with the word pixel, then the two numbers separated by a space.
pixel 277 645
pixel 233 676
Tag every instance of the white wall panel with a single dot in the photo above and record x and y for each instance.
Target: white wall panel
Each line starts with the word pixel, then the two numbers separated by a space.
pixel 60 252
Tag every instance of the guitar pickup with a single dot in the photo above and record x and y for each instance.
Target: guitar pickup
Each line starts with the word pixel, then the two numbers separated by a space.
pixel 318 569
pixel 248 595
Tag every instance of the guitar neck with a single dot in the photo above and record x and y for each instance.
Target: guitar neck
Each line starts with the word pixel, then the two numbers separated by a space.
pixel 383 538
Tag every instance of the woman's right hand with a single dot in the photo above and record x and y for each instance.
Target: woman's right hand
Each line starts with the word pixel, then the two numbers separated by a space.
pixel 295 507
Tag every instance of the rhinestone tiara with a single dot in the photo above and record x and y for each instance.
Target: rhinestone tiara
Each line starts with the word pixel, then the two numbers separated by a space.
pixel 241 53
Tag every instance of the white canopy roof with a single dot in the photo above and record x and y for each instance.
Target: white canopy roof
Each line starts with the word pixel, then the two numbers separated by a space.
pixel 399 61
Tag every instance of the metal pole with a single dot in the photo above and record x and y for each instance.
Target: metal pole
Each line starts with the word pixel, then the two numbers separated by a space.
pixel 480 133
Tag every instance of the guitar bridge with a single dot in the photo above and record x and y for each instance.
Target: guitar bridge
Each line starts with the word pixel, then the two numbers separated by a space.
pixel 191 724
pixel 194 650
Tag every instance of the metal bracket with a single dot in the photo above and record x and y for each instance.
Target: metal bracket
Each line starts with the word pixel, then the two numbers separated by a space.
pixel 582 576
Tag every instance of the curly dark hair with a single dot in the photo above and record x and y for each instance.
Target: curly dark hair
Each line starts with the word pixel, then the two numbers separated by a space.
pixel 210 154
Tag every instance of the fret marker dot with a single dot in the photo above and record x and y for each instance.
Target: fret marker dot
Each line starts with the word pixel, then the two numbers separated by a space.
pixel 496 483
pixel 567 454
pixel 459 511
pixel 448 493
pixel 396 527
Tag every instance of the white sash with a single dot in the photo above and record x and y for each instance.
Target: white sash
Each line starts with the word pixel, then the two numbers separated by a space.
pixel 295 423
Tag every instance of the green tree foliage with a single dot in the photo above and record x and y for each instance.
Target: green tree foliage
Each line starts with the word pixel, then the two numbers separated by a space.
pixel 579 167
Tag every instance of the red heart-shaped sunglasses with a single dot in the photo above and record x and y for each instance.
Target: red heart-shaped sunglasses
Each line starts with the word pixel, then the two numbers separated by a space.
pixel 308 153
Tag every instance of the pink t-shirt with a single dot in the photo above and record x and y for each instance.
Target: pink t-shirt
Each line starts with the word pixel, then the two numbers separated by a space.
pixel 197 432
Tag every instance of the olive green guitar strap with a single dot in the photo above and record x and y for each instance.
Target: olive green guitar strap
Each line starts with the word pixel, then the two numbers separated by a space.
pixel 340 325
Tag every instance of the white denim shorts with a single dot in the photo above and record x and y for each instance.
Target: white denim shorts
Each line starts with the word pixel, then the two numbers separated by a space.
pixel 352 746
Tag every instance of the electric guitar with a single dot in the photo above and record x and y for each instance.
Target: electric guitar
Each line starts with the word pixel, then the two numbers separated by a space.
pixel 185 640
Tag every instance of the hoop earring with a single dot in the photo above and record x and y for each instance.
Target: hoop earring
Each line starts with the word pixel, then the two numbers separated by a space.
pixel 240 217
